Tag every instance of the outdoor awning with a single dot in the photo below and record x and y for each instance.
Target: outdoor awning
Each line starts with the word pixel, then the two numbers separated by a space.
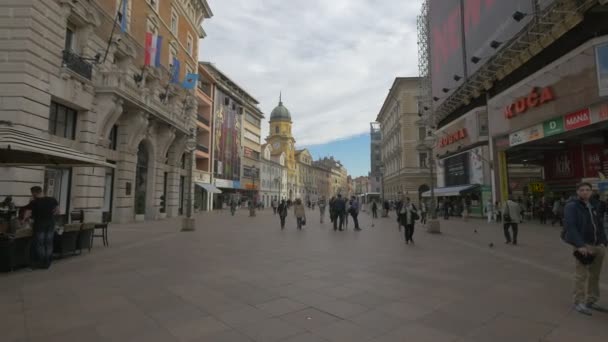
pixel 209 187
pixel 450 191
pixel 20 148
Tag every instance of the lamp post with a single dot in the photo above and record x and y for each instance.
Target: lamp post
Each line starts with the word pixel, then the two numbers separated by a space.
pixel 432 225
pixel 254 172
pixel 382 170
pixel 188 221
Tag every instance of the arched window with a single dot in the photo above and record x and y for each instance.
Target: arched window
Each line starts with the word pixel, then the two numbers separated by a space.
pixel 276 129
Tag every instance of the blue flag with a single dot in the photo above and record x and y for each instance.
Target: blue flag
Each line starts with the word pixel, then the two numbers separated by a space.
pixel 190 81
pixel 175 71
pixel 123 16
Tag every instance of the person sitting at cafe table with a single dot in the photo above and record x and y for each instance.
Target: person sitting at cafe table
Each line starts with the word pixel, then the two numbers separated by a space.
pixel 42 209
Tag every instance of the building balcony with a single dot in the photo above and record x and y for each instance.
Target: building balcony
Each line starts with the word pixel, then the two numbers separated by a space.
pixel 205 88
pixel 203 120
pixel 77 64
pixel 202 148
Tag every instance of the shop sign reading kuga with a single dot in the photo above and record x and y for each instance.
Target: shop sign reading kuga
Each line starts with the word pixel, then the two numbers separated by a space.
pixel 536 98
pixel 454 137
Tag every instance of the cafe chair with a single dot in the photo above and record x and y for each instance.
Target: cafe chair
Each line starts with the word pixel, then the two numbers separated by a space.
pixel 106 217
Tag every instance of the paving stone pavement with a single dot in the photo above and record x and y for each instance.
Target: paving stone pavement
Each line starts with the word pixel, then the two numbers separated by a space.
pixel 243 279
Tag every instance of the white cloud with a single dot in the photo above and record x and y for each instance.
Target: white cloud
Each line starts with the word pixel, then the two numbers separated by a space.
pixel 333 60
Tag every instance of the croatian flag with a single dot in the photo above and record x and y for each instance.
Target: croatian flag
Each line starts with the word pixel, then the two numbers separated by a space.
pixel 153 44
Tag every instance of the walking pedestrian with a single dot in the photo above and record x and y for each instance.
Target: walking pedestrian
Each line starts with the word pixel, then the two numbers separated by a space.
pixel 423 212
pixel 374 209
pixel 42 209
pixel 490 210
pixel 582 230
pixel 446 209
pixel 339 208
pixel 354 212
pixel 387 207
pixel 300 213
pixel 282 210
pixel 322 205
pixel 274 206
pixel 542 210
pixel 332 214
pixel 408 214
pixel 558 211
pixel 232 207
pixel 511 212
pixel 347 203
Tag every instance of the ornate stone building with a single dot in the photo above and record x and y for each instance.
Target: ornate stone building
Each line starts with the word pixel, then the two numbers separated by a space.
pixel 73 75
pixel 405 168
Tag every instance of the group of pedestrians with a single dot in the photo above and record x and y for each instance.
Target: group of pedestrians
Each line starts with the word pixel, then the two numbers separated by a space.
pixel 340 209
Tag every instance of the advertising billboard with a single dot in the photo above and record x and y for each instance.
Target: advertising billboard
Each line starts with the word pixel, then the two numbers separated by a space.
pixel 487 21
pixel 460 28
pixel 227 135
pixel 446 45
pixel 601 53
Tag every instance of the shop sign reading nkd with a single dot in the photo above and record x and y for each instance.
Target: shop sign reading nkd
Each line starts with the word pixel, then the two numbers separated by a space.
pixel 536 98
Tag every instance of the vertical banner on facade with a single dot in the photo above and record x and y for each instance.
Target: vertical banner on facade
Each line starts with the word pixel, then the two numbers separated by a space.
pixel 227 134
pixel 601 53
pixel 503 176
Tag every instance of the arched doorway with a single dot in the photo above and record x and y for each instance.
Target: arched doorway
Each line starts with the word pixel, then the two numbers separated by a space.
pixel 141 179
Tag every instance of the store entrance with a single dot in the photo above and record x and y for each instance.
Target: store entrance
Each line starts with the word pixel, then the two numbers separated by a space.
pixel 547 170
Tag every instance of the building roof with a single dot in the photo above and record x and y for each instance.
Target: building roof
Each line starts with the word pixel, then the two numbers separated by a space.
pixel 280 112
pixel 223 80
pixel 390 98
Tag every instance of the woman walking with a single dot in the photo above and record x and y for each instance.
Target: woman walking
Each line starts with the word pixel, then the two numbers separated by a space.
pixel 299 213
pixel 322 205
pixel 282 211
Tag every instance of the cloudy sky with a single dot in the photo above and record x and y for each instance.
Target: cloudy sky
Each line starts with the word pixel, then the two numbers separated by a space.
pixel 334 60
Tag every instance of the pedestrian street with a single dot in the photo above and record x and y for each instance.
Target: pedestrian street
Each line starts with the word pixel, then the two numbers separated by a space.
pixel 243 279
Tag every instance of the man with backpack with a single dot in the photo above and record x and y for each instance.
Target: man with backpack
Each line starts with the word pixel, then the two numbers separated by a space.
pixel 583 230
pixel 511 212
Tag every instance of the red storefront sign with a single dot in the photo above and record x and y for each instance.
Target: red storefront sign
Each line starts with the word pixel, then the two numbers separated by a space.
pixel 578 119
pixel 604 112
pixel 454 137
pixel 536 98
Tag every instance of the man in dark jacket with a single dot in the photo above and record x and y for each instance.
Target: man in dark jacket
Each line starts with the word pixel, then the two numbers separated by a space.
pixel 583 230
pixel 339 207
pixel 43 210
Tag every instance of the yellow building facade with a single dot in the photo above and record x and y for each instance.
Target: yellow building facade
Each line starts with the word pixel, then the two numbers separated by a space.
pixel 281 140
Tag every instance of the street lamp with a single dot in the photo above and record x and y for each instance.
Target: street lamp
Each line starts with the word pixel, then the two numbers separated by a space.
pixel 427 145
pixel 188 221
pixel 382 170
pixel 254 172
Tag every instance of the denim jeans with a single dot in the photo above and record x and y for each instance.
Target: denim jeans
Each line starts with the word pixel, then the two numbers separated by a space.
pixel 42 243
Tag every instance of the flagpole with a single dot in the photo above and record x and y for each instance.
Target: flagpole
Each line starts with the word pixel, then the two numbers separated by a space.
pixel 113 29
